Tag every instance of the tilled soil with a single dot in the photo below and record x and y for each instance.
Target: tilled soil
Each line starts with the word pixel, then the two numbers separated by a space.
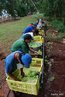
pixel 57 86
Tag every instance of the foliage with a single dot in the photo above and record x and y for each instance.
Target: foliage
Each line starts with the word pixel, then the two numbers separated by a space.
pixel 55 8
pixel 20 8
pixel 17 7
pixel 10 7
pixel 58 25
pixel 2 5
pixel 52 8
pixel 38 15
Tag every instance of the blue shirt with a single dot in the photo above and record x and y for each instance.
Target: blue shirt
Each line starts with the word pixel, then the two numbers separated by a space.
pixel 11 63
pixel 28 29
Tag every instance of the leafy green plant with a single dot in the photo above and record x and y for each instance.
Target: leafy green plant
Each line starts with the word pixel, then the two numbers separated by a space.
pixel 58 25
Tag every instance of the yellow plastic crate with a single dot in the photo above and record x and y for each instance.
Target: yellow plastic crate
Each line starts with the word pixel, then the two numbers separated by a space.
pixel 36 64
pixel 24 87
pixel 38 39
pixel 41 32
pixel 27 87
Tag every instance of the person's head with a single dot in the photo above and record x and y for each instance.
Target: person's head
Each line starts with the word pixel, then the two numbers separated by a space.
pixel 28 38
pixel 26 60
pixel 31 24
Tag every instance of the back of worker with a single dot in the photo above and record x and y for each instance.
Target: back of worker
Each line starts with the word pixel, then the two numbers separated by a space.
pixel 16 60
pixel 10 63
pixel 29 29
pixel 20 45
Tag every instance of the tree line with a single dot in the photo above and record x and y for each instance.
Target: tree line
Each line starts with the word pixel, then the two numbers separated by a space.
pixel 51 8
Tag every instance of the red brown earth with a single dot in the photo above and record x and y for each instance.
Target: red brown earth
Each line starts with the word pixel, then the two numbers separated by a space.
pixel 57 86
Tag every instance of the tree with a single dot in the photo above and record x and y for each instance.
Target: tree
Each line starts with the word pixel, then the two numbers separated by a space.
pixel 55 8
pixel 20 7
pixel 10 7
pixel 2 5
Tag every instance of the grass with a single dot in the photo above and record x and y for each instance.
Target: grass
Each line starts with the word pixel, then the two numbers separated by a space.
pixel 11 31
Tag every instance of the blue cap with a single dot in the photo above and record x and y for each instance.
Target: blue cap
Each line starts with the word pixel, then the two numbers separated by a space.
pixel 26 59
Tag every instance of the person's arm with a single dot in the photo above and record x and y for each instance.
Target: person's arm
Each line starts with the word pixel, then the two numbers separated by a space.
pixel 21 68
pixel 32 50
pixel 16 55
pixel 22 73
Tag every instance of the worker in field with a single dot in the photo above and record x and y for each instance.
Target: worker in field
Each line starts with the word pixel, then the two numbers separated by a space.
pixel 17 60
pixel 39 25
pixel 23 35
pixel 23 44
pixel 31 28
pixel 28 32
pixel 31 24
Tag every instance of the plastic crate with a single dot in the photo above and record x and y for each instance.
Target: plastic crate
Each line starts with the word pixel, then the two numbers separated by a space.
pixel 41 32
pixel 27 87
pixel 37 64
pixel 38 39
pixel 24 87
